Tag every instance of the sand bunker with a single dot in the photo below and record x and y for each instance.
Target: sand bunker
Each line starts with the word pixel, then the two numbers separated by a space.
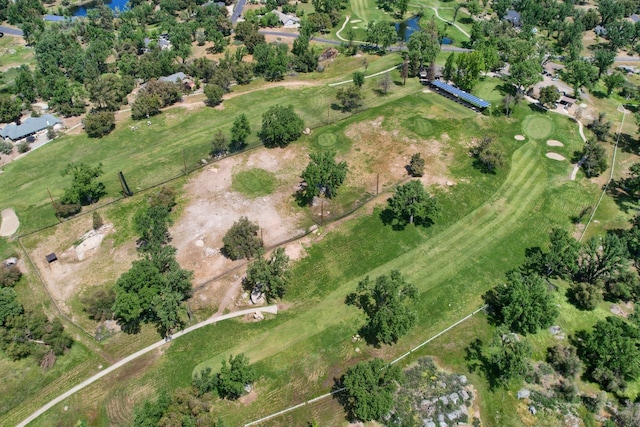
pixel 554 143
pixel 519 137
pixel 555 156
pixel 10 223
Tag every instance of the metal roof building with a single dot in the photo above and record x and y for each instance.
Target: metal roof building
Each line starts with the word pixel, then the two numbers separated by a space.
pixel 28 127
pixel 459 95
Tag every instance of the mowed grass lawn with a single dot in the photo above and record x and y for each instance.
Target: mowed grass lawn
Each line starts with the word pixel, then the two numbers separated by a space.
pixel 484 225
pixel 155 153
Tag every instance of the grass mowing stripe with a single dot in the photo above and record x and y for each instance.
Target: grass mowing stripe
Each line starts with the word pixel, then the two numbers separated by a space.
pixel 332 311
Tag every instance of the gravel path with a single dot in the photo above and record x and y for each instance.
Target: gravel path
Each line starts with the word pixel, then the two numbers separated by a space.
pixel 10 223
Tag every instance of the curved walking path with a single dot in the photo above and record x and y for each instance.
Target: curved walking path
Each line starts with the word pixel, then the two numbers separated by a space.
pixel 269 309
pixel 449 22
pixel 366 77
pixel 10 223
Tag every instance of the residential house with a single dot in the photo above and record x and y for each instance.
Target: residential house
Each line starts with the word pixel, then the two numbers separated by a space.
pixel 513 17
pixel 287 21
pixel 28 127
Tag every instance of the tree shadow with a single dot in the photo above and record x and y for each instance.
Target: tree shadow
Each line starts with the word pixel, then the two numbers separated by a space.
pixel 626 201
pixel 482 167
pixel 537 108
pixel 507 89
pixel 598 94
pixel 629 144
pixel 467 20
pixel 399 224
pixel 478 361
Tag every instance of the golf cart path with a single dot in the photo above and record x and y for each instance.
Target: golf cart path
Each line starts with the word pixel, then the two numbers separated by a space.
pixel 576 167
pixel 214 319
pixel 10 223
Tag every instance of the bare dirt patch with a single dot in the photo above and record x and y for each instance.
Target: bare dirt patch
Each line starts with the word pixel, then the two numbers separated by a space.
pixel 86 258
pixel 519 137
pixel 554 143
pixel 376 150
pixel 214 206
pixel 556 156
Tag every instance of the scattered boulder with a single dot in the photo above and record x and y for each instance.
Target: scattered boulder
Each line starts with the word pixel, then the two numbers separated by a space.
pixel 10 262
pixel 533 410
pixel 464 395
pixel 454 398
pixel 523 394
pixel 444 400
pixel 462 379
pixel 306 131
pixel 258 315
pixel 329 53
pixel 454 415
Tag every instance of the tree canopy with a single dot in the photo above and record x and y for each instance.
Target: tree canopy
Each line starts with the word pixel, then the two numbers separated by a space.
pixel 411 203
pixel 230 381
pixel 241 240
pixel 280 126
pixel 384 303
pixel 84 188
pixel 610 353
pixel 523 303
pixel 323 175
pixel 369 389
pixel 271 275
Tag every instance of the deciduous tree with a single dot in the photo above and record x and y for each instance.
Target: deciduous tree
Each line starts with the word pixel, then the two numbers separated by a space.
pixel 270 276
pixel 242 241
pixel 369 389
pixel 384 303
pixel 84 188
pixel 232 379
pixel 411 202
pixel 280 126
pixel 523 303
pixel 323 175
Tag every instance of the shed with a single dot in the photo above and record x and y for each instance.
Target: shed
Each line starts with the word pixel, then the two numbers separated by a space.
pixel 51 257
pixel 173 78
pixel 567 101
pixel 28 127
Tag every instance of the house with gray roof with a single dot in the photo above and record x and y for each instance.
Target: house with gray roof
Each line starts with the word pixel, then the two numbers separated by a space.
pixel 287 21
pixel 28 127
pixel 513 17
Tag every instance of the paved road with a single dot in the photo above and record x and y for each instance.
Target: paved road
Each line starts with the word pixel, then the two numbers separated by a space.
pixel 269 309
pixel 335 42
pixel 11 31
pixel 237 11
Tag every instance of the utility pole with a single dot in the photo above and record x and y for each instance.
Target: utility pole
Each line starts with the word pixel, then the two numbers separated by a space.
pixel 377 183
pixel 53 205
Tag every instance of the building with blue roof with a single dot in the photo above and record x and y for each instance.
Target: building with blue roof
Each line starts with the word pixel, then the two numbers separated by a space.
pixel 459 95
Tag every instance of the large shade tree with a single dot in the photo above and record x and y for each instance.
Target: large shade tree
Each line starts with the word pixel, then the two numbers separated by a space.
pixel 411 203
pixel 280 126
pixel 384 303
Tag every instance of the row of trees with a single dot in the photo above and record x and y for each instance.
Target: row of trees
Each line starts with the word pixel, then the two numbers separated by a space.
pixel 153 289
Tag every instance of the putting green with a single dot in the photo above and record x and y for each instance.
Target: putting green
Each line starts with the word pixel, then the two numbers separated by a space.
pixel 419 125
pixel 327 139
pixel 537 127
pixel 254 182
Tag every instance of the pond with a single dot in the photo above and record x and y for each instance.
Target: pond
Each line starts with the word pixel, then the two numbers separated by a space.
pixel 446 40
pixel 112 4
pixel 408 27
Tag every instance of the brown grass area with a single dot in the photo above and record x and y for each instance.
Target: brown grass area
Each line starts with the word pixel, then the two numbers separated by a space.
pixel 377 150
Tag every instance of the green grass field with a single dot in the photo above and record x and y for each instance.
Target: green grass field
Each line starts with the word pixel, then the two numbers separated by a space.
pixel 254 182
pixel 153 154
pixel 485 223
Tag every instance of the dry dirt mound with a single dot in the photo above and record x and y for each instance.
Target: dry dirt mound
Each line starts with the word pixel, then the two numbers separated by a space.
pixel 10 223
pixel 556 156
pixel 554 143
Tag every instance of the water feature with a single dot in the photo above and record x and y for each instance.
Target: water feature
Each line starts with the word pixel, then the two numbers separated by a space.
pixel 446 40
pixel 408 27
pixel 112 4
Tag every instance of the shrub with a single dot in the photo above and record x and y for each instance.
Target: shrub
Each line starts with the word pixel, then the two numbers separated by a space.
pixel 242 241
pixel 97 221
pixel 99 303
pixel 66 210
pixel 23 147
pixel 6 147
pixel 100 123
pixel 165 197
pixel 564 359
pixel 9 276
pixel 416 165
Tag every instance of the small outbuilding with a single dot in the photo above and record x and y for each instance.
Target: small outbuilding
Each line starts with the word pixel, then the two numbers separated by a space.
pixel 51 257
pixel 566 101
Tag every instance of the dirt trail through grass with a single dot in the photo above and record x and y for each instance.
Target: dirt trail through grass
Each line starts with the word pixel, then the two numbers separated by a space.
pixel 458 247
